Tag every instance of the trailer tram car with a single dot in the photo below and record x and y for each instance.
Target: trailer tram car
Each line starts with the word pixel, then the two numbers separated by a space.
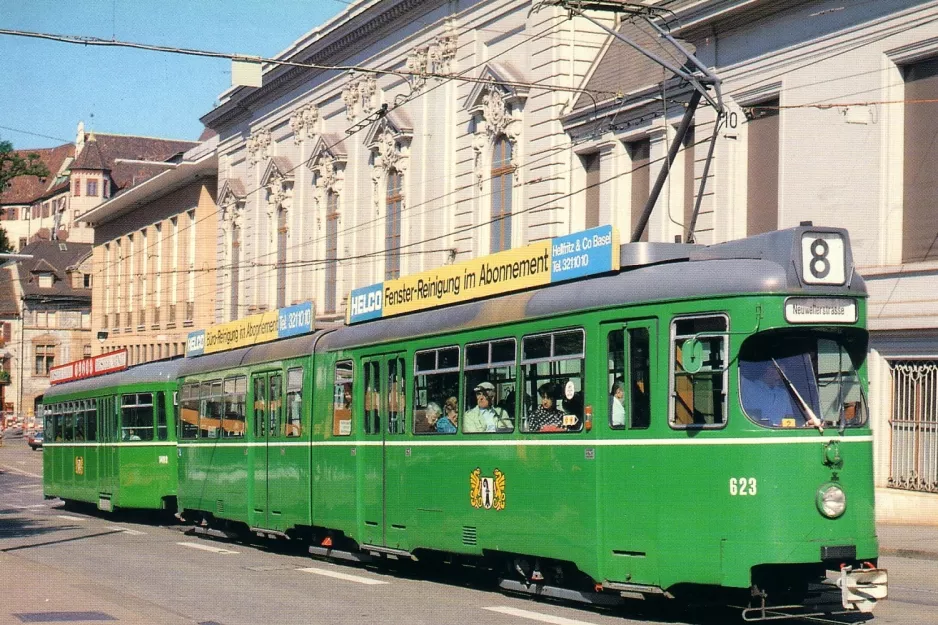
pixel 111 440
pixel 693 421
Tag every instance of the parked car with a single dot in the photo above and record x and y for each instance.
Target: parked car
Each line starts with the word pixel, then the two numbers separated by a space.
pixel 35 440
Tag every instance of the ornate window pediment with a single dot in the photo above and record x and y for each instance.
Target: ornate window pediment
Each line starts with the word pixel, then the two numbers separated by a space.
pixel 231 198
pixel 278 180
pixel 496 106
pixel 327 162
pixel 389 140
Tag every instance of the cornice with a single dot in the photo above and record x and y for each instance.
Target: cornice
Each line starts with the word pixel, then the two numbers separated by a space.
pixel 337 44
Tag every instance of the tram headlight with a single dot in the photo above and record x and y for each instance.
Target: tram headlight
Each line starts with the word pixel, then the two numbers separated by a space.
pixel 831 500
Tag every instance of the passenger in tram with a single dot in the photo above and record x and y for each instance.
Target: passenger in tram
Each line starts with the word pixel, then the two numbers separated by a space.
pixel 616 403
pixel 547 417
pixel 447 423
pixel 486 416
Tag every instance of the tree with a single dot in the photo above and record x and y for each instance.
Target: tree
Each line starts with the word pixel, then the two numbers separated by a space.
pixel 14 165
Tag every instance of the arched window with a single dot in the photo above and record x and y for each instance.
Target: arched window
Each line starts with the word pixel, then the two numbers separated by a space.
pixel 392 236
pixel 502 184
pixel 281 257
pixel 235 272
pixel 332 246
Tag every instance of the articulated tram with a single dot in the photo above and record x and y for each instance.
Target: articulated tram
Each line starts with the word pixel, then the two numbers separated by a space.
pixel 693 419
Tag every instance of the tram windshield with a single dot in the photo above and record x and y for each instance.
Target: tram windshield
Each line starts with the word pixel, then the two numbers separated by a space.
pixel 787 379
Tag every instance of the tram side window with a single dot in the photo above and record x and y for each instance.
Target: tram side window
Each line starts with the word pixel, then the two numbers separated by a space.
pixel 189 414
pixel 397 400
pixel 489 380
pixel 698 390
pixel 553 366
pixel 372 397
pixel 161 410
pixel 232 425
pixel 80 420
pixel 55 432
pixel 212 404
pixel 292 418
pixel 436 388
pixel 137 417
pixel 342 399
pixel 91 418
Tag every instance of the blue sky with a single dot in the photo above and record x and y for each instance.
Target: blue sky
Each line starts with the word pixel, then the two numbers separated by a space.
pixel 47 87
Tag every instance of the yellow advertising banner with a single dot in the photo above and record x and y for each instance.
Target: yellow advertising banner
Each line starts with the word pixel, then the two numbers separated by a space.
pixel 248 331
pixel 510 270
pixel 568 257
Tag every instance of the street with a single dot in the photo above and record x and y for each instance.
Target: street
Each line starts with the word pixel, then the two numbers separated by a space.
pixel 80 565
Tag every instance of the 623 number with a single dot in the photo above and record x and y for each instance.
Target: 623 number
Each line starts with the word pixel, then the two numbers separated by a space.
pixel 743 486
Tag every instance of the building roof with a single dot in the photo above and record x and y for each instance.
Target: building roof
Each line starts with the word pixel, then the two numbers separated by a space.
pixel 8 303
pixel 623 70
pixel 121 155
pixel 54 257
pixel 27 189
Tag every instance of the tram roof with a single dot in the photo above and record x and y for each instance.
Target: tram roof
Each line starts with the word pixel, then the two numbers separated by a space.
pixel 649 272
pixel 151 372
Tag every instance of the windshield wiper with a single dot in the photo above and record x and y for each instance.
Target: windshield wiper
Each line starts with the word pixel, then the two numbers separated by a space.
pixel 810 418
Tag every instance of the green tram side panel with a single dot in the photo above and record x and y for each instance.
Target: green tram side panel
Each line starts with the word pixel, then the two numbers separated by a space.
pixel 262 482
pixel 658 474
pixel 129 475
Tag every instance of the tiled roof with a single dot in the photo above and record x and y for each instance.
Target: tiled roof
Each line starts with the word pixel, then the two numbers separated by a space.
pixel 27 189
pixel 55 256
pixel 124 174
pixel 90 157
pixel 8 304
pixel 622 69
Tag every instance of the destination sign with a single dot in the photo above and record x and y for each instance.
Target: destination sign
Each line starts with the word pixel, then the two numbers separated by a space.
pixel 89 367
pixel 268 326
pixel 820 310
pixel 563 258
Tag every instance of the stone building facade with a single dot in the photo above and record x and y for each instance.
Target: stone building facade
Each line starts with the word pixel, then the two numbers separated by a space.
pixel 331 179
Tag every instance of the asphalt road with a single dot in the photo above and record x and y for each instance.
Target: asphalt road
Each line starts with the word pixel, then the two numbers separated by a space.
pixel 78 565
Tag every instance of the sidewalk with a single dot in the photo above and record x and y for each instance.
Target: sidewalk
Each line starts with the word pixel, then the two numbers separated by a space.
pixel 908 541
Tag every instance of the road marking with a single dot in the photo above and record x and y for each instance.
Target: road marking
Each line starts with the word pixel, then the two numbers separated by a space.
pixel 69 518
pixel 37 505
pixel 206 548
pixel 126 530
pixel 346 577
pixel 536 616
pixel 20 471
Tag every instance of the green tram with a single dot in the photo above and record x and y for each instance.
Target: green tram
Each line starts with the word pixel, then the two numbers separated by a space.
pixel 111 440
pixel 696 420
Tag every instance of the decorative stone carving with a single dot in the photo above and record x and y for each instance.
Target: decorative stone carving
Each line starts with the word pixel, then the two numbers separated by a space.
pixel 351 95
pixel 303 122
pixel 258 146
pixel 361 96
pixel 435 58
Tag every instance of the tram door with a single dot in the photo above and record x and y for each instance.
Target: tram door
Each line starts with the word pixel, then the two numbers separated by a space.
pixel 629 515
pixel 267 400
pixel 380 471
